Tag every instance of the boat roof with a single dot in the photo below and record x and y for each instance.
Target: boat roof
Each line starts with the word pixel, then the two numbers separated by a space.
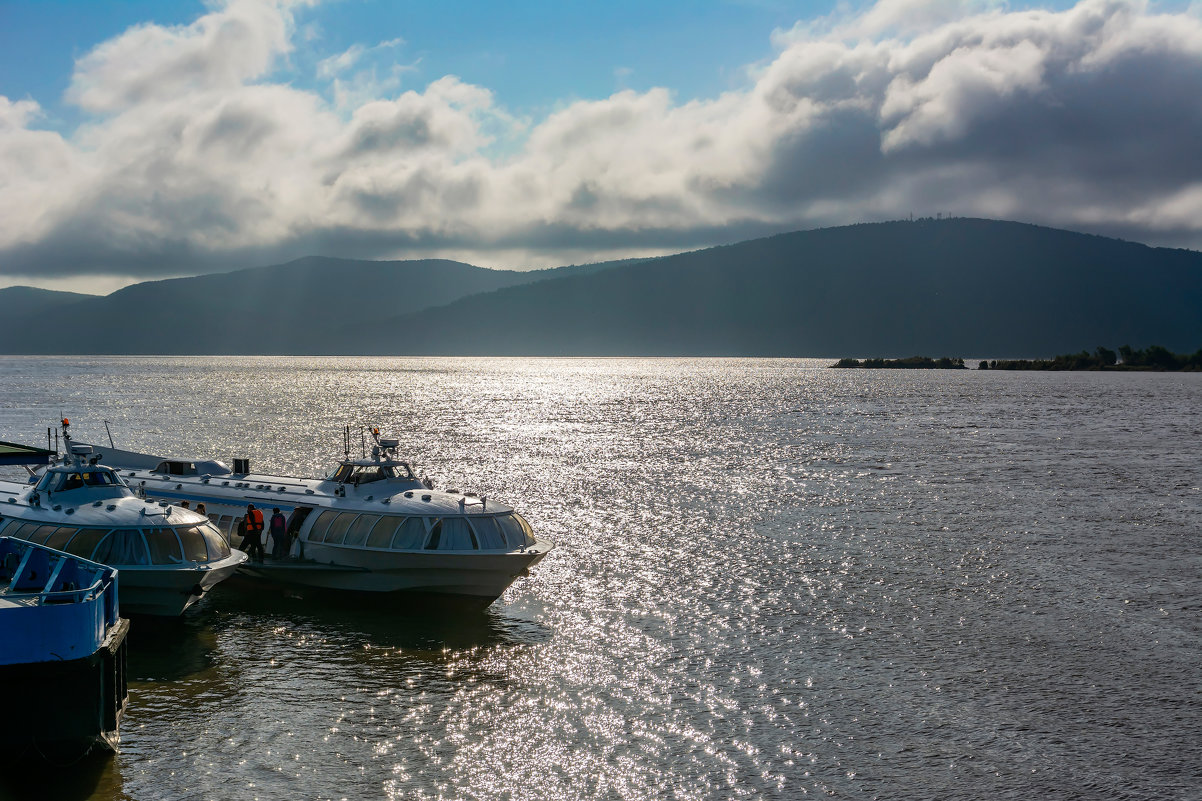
pixel 13 454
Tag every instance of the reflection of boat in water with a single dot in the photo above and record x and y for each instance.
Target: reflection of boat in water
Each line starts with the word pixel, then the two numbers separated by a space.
pixel 62 653
pixel 370 526
pixel 169 557
pixel 431 624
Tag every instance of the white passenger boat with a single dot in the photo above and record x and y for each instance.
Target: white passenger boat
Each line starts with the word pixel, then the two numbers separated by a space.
pixel 370 526
pixel 169 556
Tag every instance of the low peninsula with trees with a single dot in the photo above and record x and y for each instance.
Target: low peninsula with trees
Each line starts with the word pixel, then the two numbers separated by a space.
pixel 1153 359
pixel 909 363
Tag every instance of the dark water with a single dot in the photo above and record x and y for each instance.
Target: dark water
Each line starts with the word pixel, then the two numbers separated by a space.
pixel 773 580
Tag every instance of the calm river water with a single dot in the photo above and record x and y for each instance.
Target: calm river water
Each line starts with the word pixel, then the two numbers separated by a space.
pixel 772 580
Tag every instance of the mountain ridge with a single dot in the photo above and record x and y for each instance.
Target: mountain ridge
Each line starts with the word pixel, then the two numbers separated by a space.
pixel 957 286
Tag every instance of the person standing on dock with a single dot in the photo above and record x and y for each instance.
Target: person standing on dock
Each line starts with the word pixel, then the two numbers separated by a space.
pixel 279 534
pixel 252 543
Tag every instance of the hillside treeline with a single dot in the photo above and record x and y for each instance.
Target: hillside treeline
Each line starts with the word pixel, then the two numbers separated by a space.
pixel 1154 358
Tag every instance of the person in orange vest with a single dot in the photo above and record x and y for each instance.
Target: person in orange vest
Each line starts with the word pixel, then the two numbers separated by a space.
pixel 252 543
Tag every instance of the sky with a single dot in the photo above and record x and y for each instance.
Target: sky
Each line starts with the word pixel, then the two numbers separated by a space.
pixel 143 140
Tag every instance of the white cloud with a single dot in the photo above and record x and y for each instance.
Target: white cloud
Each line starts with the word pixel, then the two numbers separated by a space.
pixel 329 67
pixel 221 51
pixel 193 159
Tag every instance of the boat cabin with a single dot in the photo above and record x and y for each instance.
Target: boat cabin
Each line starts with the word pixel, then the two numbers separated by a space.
pixel 365 471
pixel 103 482
pixel 151 544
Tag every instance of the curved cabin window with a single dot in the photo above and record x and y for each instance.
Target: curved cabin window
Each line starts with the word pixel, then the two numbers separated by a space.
pixel 456 535
pixel 525 527
pixel 488 534
pixel 123 546
pixel 382 531
pixel 339 527
pixel 516 530
pixel 435 536
pixel 410 535
pixel 193 541
pixel 83 543
pixel 318 532
pixel 23 531
pixel 218 547
pixel 164 546
pixel 41 533
pixel 357 533
pixel 60 538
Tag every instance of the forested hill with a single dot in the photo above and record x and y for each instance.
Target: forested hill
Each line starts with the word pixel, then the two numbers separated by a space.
pixel 973 288
pixel 963 286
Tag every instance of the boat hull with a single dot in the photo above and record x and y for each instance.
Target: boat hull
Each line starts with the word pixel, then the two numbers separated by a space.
pixel 161 592
pixel 59 711
pixel 478 575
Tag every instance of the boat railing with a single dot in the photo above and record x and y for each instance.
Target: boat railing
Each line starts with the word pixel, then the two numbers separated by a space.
pixel 19 571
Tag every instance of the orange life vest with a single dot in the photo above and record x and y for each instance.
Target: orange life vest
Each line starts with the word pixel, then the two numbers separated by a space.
pixel 254 520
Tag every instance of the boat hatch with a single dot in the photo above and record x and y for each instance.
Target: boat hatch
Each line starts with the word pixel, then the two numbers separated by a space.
pixel 178 467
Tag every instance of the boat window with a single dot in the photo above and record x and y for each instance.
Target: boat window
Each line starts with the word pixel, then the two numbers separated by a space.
pixel 357 534
pixel 488 534
pixel 410 535
pixel 23 531
pixel 368 474
pixel 69 481
pixel 194 544
pixel 526 528
pixel 99 478
pixel 318 532
pixel 381 533
pixel 83 543
pixel 457 535
pixel 517 532
pixel 342 473
pixel 164 546
pixel 338 528
pixel 218 547
pixel 435 536
pixel 60 538
pixel 39 536
pixel 4 524
pixel 123 546
pixel 225 523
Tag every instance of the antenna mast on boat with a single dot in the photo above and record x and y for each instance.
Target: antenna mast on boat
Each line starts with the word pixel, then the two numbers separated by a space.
pixel 110 433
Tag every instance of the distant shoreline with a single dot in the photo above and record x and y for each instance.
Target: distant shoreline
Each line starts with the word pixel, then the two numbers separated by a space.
pixel 1153 359
pixel 909 363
